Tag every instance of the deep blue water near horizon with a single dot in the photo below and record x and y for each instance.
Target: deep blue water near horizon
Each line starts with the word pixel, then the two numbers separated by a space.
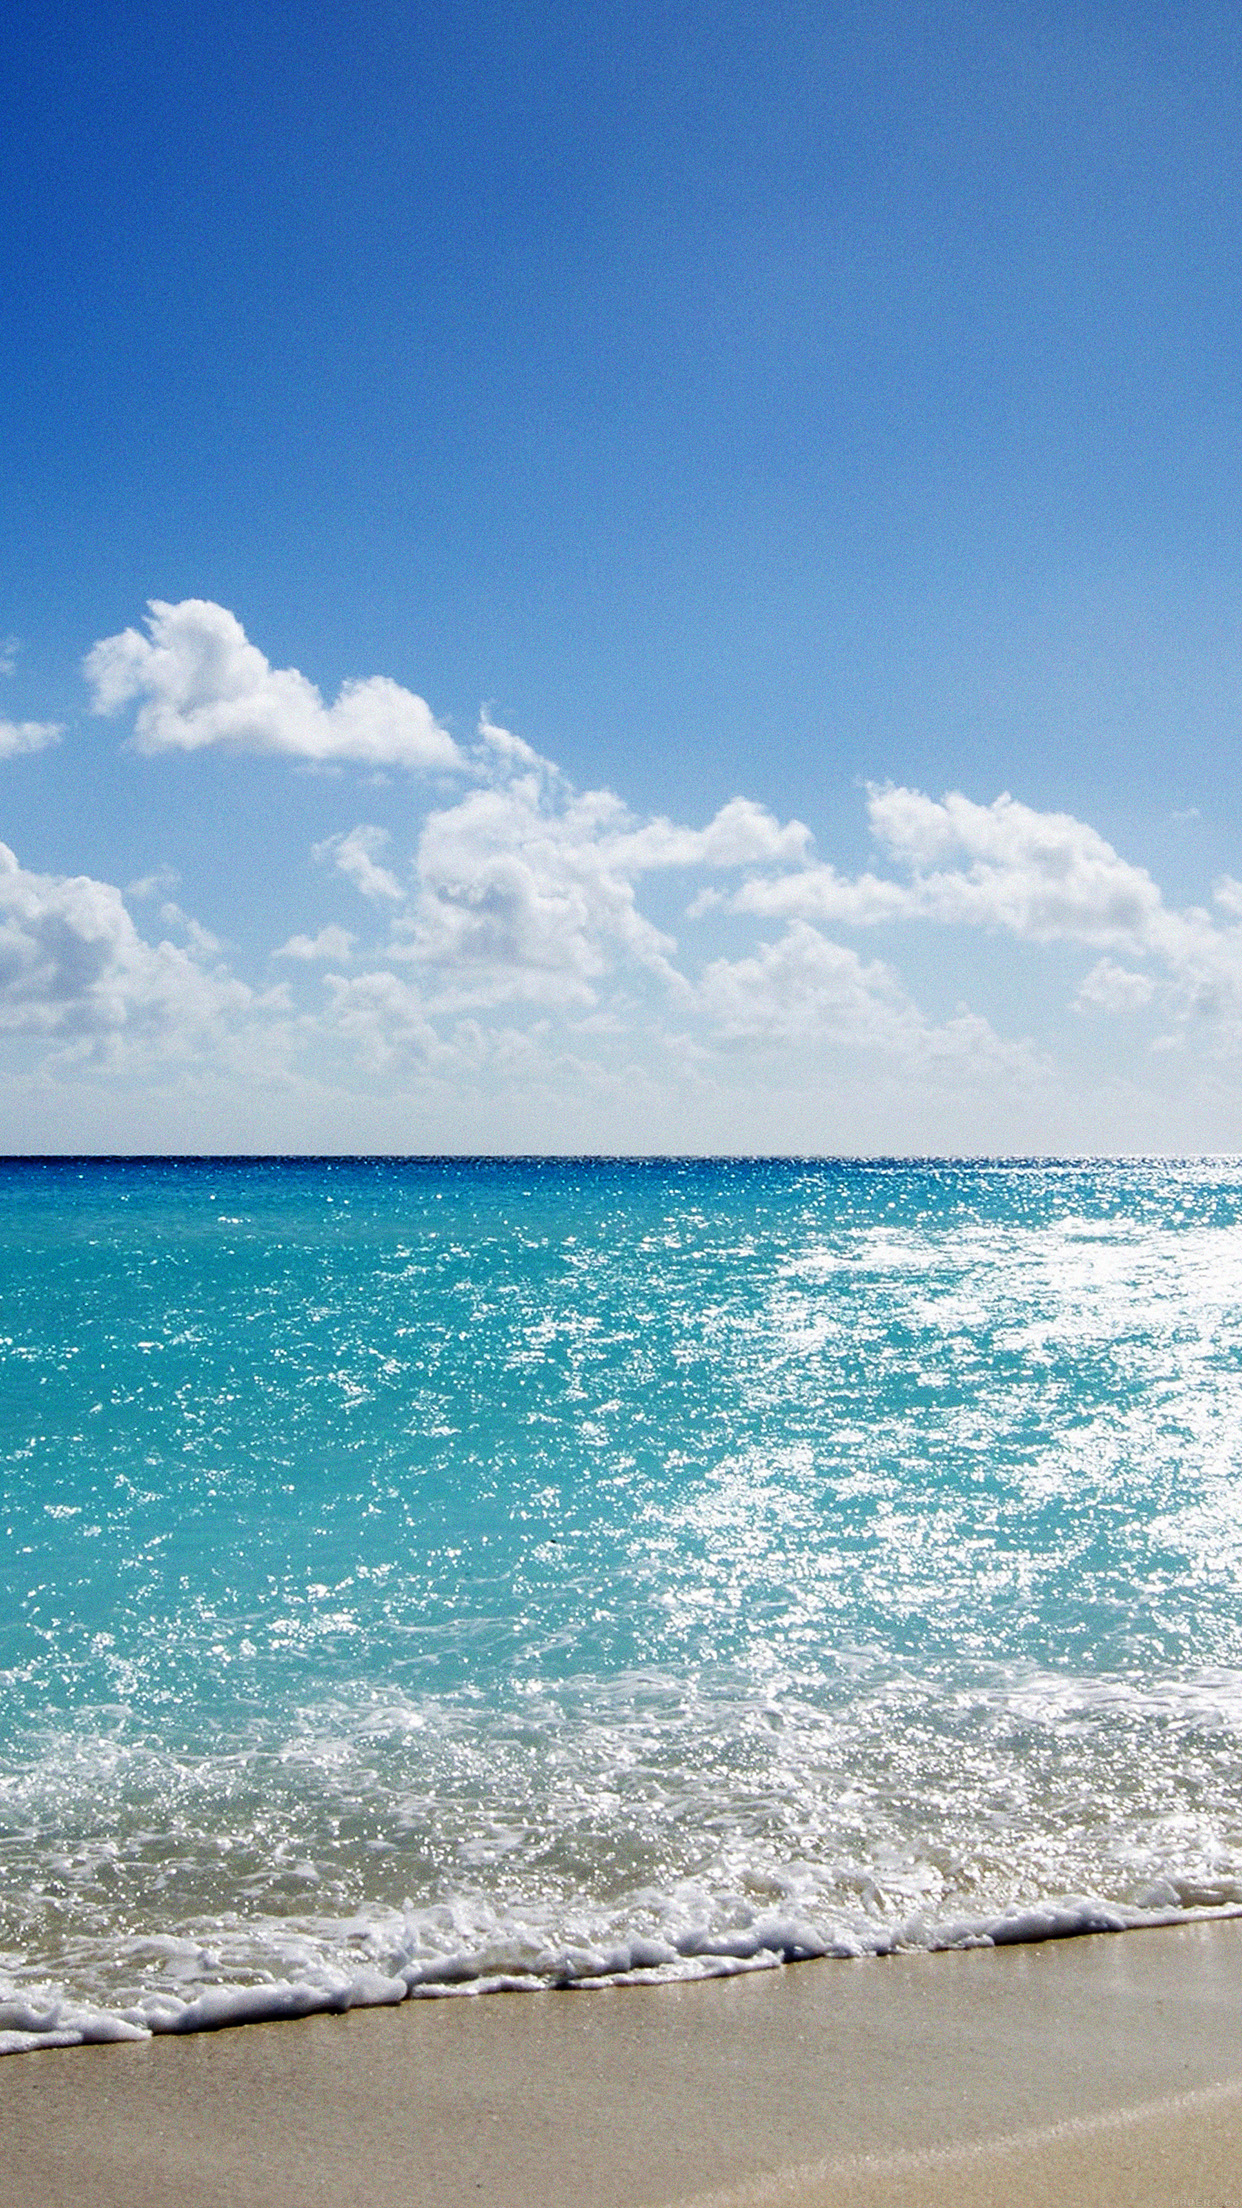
pixel 427 1574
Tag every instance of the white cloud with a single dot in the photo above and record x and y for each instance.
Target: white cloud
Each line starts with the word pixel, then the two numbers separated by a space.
pixel 805 991
pixel 527 888
pixel 72 964
pixel 519 895
pixel 742 834
pixel 819 893
pixel 383 1016
pixel 201 939
pixel 160 883
pixel 1112 988
pixel 331 942
pixel 520 931
pixel 801 987
pixel 504 753
pixel 10 646
pixel 1041 876
pixel 526 891
pixel 356 856
pixel 1006 868
pixel 19 737
pixel 197 681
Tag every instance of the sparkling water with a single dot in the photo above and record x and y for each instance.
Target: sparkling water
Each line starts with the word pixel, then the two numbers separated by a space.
pixel 437 1575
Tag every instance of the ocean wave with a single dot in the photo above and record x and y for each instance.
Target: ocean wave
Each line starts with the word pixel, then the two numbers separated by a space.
pixel 515 1960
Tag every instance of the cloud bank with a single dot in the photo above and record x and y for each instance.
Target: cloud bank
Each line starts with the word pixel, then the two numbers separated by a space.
pixel 528 939
pixel 1040 877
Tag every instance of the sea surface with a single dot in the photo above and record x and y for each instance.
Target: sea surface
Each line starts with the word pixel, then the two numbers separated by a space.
pixel 434 1576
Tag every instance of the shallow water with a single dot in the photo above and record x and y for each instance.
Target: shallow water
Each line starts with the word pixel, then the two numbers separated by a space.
pixel 438 1574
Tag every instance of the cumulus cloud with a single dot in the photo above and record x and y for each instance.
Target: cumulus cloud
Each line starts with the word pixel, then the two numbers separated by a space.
pixel 197 681
pixel 383 1016
pixel 201 938
pixel 518 894
pixel 330 943
pixel 526 891
pixel 528 888
pixel 805 991
pixel 1041 876
pixel 1112 988
pixel 803 986
pixel 73 964
pixel 17 737
pixel 1007 868
pixel 525 923
pixel 1044 876
pixel 355 855
pixel 158 883
pixel 741 834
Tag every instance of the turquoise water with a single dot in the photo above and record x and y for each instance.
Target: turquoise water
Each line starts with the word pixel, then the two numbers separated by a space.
pixel 427 1575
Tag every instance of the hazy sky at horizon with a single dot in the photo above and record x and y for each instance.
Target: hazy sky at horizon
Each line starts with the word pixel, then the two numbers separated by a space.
pixel 792 451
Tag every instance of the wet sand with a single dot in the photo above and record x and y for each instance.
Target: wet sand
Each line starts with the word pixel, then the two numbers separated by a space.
pixel 1091 2071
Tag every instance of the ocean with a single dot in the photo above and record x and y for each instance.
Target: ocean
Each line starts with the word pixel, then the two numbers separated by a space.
pixel 423 1577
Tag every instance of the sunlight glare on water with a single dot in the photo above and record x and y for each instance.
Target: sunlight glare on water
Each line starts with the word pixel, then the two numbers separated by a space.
pixel 440 1573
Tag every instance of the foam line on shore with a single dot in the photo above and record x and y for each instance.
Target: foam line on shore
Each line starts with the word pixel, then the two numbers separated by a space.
pixel 43 2018
pixel 1092 2073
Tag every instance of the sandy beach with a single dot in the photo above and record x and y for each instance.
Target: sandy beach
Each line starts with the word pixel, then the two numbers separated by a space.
pixel 1099 2070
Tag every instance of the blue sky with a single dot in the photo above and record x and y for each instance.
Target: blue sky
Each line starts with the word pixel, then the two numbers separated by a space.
pixel 760 412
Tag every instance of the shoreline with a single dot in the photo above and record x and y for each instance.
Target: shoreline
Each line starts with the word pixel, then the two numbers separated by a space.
pixel 1098 2069
pixel 638 1961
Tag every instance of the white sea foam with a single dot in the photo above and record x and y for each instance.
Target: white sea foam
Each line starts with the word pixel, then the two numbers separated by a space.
pixel 648 1573
pixel 516 1960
